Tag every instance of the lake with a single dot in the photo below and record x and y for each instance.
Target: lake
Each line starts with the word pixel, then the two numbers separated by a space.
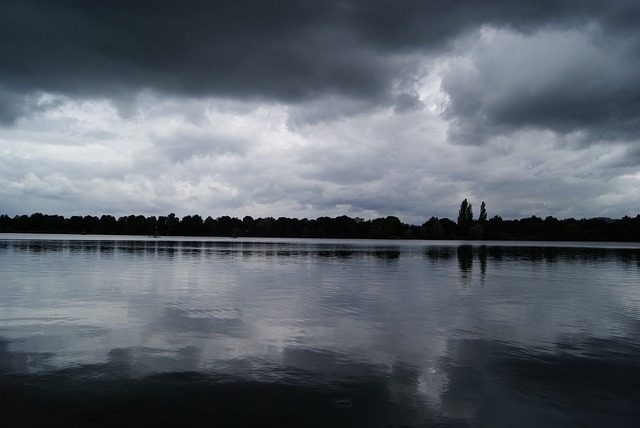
pixel 135 331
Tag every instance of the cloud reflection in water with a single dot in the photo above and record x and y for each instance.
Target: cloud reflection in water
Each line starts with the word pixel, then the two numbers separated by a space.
pixel 318 334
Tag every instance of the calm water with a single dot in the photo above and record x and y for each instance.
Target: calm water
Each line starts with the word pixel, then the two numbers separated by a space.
pixel 119 331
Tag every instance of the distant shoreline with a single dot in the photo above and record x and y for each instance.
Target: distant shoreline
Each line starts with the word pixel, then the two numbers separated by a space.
pixel 533 228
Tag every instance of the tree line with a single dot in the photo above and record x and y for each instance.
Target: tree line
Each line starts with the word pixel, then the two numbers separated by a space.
pixel 390 227
pixel 195 225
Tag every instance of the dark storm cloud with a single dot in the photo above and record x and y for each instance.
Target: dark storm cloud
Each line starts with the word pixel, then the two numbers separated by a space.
pixel 287 51
pixel 566 82
pixel 14 104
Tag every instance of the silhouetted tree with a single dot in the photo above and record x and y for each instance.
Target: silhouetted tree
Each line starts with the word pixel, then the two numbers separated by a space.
pixel 465 218
pixel 76 224
pixel 263 226
pixel 90 223
pixel 210 226
pixel 388 227
pixel 248 224
pixel 150 225
pixel 191 225
pixel 227 225
pixel 5 222
pixel 162 225
pixel 344 227
pixel 173 225
pixel 107 225
pixel 482 218
pixel 432 229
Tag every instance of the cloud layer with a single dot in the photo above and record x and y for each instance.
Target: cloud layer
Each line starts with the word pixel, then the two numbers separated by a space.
pixel 308 108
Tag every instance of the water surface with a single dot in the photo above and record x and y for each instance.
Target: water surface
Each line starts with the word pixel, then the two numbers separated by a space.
pixel 113 331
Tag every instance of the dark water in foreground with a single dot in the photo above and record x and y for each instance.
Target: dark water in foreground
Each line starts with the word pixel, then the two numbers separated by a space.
pixel 115 331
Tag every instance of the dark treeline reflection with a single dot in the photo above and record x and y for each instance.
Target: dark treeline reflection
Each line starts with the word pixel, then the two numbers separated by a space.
pixel 465 254
pixel 534 228
pixel 170 248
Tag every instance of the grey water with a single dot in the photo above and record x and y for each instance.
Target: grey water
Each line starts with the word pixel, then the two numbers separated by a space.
pixel 125 331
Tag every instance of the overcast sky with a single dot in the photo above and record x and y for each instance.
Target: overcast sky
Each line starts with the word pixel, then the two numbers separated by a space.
pixel 307 108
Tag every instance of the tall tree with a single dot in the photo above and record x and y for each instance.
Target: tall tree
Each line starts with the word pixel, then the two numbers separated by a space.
pixel 465 218
pixel 482 218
